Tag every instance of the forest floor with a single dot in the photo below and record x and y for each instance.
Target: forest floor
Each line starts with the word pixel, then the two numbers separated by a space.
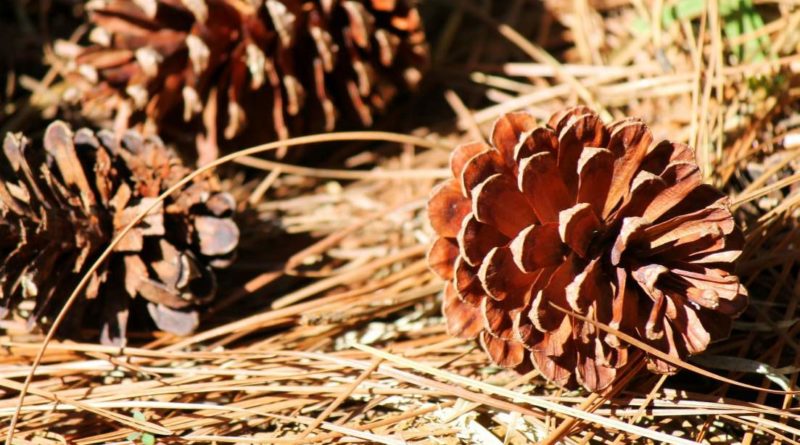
pixel 329 329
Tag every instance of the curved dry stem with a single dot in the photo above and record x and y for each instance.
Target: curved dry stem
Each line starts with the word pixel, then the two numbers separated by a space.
pixel 313 139
pixel 376 174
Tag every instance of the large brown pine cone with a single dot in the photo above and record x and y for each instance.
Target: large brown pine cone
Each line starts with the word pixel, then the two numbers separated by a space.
pixel 61 206
pixel 297 63
pixel 588 218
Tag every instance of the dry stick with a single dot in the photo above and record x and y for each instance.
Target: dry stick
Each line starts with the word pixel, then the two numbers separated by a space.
pixel 593 402
pixel 562 429
pixel 409 271
pixel 332 137
pixel 473 406
pixel 643 407
pixel 527 69
pixel 336 237
pixel 696 51
pixel 701 434
pixel 328 436
pixel 758 426
pixel 342 397
pixel 719 80
pixel 341 429
pixel 173 386
pixel 538 54
pixel 365 427
pixel 129 351
pixel 263 186
pixel 761 67
pixel 787 400
pixel 448 33
pixel 768 173
pixel 704 99
pixel 500 83
pixel 746 197
pixel 464 115
pixel 247 288
pixel 370 426
pixel 9 413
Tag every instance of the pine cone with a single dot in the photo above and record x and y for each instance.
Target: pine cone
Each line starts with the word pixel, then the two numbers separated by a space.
pixel 593 219
pixel 61 206
pixel 295 62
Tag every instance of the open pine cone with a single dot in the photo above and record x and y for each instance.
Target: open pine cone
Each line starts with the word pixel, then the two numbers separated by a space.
pixel 585 218
pixel 298 63
pixel 60 207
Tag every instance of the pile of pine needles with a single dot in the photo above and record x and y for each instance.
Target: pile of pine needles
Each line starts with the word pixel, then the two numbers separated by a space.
pixel 329 327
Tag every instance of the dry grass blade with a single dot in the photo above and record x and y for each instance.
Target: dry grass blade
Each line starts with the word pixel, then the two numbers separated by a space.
pixel 266 165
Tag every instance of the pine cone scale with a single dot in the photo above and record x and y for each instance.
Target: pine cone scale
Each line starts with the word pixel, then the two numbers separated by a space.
pixel 506 354
pixel 500 276
pixel 217 236
pixel 506 133
pixel 476 239
pixel 629 144
pixel 478 169
pixel 593 182
pixel 582 131
pixel 449 209
pixel 463 320
pixel 466 282
pixel 497 203
pixel 578 226
pixel 538 246
pixel 463 154
pixel 442 256
pixel 539 176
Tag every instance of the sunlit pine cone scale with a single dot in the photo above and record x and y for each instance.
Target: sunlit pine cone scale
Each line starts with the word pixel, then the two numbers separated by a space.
pixel 235 65
pixel 60 207
pixel 593 219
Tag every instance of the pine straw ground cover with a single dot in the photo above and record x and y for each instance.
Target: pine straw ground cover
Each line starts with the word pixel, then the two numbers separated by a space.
pixel 333 333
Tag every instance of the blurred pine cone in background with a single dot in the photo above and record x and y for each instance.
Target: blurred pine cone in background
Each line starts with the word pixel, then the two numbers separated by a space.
pixel 589 218
pixel 60 208
pixel 267 67
pixel 27 28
